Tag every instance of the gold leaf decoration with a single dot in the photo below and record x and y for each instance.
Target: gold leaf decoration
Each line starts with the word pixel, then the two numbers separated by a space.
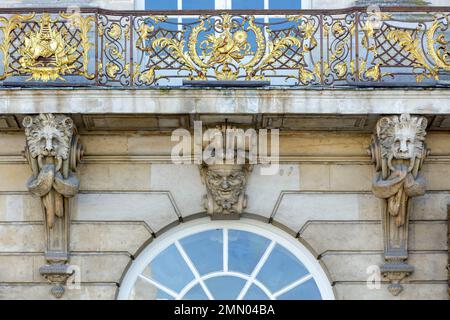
pixel 6 28
pixel 46 55
pixel 305 76
pixel 341 69
pixel 148 77
pixel 85 26
pixel 412 45
pixel 115 31
pixel 442 56
pixel 112 69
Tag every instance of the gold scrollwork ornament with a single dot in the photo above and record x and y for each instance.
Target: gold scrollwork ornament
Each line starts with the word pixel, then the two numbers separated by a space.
pixel 85 26
pixel 226 54
pixel 412 46
pixel 6 28
pixel 441 56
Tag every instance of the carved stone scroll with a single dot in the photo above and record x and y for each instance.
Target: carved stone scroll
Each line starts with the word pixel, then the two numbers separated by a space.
pixel 54 151
pixel 398 150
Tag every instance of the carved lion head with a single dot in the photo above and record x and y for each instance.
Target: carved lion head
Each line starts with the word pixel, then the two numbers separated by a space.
pixel 49 135
pixel 402 137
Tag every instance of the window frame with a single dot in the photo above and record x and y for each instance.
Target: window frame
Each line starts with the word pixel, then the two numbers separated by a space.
pixel 193 227
pixel 222 4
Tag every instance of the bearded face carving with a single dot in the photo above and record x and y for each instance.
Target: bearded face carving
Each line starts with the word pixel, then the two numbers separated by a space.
pixel 50 142
pixel 225 189
pixel 398 150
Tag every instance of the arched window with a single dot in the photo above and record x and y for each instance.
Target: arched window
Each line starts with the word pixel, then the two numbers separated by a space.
pixel 225 260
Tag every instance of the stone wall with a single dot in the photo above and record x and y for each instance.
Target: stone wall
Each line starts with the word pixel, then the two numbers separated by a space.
pixel 325 197
pixel 130 193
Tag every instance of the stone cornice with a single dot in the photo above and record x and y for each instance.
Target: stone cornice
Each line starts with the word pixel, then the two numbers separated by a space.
pixel 165 159
pixel 226 101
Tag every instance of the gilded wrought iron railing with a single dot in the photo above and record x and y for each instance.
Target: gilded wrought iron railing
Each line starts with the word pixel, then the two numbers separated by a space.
pixel 349 47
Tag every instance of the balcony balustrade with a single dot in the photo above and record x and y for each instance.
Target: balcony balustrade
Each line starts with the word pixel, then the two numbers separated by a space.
pixel 399 46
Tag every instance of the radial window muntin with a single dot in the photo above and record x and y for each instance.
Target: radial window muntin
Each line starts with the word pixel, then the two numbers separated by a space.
pixel 275 236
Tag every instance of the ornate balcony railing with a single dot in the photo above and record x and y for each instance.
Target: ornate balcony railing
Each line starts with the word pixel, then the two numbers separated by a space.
pixel 326 48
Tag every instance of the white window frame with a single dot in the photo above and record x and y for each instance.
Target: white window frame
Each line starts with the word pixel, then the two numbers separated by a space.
pixel 221 4
pixel 263 229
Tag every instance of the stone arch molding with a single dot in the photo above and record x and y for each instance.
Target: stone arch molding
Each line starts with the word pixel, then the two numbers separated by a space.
pixel 156 246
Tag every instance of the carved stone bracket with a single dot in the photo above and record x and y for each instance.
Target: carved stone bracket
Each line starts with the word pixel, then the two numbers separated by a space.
pixel 54 151
pixel 225 184
pixel 396 272
pixel 224 173
pixel 57 274
pixel 398 150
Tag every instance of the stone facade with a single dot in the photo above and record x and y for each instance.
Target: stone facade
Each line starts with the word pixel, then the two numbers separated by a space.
pixel 125 191
pixel 127 198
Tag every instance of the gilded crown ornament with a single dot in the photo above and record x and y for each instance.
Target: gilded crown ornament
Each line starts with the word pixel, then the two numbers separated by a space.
pixel 46 55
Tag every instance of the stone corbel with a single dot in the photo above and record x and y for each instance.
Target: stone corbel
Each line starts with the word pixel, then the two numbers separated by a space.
pixel 225 184
pixel 398 151
pixel 224 175
pixel 54 151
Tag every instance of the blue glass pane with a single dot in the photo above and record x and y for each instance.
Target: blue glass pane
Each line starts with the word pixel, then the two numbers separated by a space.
pixel 281 269
pixel 170 270
pixel 196 293
pixel 255 293
pixel 247 4
pixel 161 295
pixel 245 250
pixel 305 291
pixel 225 288
pixel 161 5
pixel 205 250
pixel 285 4
pixel 198 4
